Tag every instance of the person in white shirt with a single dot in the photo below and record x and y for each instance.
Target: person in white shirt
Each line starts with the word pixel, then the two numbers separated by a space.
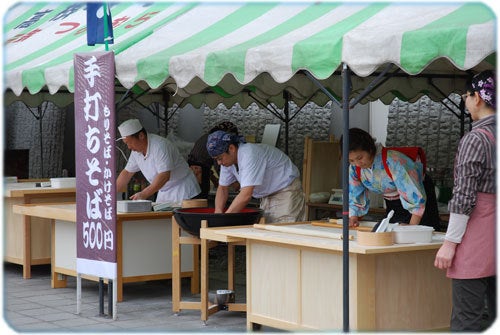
pixel 263 172
pixel 161 164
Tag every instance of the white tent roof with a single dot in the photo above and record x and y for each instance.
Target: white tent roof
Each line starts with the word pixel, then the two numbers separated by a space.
pixel 237 49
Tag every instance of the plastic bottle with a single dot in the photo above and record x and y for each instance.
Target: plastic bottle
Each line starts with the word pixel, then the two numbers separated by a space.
pixel 136 186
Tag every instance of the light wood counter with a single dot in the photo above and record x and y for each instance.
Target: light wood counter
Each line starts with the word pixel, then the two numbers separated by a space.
pixel 36 191
pixel 27 239
pixel 143 242
pixel 294 282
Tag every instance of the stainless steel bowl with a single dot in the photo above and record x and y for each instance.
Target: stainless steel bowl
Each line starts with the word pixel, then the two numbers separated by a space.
pixel 221 297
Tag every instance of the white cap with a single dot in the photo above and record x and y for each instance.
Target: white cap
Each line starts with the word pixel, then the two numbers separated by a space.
pixel 129 127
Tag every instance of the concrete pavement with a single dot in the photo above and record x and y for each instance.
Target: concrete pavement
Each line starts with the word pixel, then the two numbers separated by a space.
pixel 31 305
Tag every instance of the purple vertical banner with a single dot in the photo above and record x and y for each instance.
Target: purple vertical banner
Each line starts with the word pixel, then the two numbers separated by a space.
pixel 95 164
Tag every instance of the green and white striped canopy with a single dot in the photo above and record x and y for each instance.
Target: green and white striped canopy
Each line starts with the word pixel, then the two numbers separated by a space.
pixel 232 51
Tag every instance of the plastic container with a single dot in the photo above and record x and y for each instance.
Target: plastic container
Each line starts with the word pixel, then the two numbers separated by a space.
pixel 319 197
pixel 412 234
pixel 63 182
pixel 336 197
pixel 134 206
pixel 11 179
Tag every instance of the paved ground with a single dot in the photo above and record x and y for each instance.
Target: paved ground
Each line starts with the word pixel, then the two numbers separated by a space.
pixel 31 305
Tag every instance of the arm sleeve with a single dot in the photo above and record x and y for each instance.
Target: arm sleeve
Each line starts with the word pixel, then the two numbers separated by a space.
pixel 131 165
pixel 408 179
pixel 226 177
pixel 468 167
pixel 359 202
pixel 456 227
pixel 253 167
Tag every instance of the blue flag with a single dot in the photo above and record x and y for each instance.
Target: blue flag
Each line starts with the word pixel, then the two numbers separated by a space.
pixel 95 24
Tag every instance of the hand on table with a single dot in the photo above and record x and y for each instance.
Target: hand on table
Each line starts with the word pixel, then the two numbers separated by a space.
pixel 137 196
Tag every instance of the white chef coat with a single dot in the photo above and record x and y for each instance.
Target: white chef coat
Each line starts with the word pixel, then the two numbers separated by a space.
pixel 266 168
pixel 161 156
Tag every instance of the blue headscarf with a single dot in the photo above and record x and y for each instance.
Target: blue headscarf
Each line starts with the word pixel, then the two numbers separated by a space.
pixel 218 142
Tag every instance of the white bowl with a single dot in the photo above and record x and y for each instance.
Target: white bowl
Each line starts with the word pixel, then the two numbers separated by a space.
pixel 412 234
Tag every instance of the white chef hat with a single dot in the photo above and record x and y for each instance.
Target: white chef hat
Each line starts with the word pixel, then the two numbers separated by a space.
pixel 129 127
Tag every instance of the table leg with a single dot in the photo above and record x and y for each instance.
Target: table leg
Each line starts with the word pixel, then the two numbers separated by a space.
pixel 195 277
pixel 27 248
pixel 118 284
pixel 204 275
pixel 176 267
pixel 55 282
pixel 230 266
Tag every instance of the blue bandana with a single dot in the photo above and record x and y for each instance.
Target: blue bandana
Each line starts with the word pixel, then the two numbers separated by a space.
pixel 218 142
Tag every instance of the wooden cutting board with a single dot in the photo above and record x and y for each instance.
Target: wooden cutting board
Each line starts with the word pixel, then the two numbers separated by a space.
pixel 296 229
pixel 336 225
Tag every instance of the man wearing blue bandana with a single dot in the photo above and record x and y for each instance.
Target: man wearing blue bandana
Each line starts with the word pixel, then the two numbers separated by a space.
pixel 264 172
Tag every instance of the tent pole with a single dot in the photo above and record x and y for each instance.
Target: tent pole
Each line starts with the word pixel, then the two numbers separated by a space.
pixel 286 111
pixel 166 98
pixel 461 107
pixel 379 80
pixel 323 89
pixel 39 117
pixel 40 120
pixel 346 91
pixel 462 119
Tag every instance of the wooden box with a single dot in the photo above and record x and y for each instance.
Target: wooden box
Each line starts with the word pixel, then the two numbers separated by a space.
pixel 321 167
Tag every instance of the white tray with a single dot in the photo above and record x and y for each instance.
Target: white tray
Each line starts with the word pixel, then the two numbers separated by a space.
pixel 413 234
pixel 69 182
pixel 133 206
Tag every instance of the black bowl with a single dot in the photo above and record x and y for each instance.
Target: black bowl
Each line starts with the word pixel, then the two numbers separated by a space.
pixel 189 219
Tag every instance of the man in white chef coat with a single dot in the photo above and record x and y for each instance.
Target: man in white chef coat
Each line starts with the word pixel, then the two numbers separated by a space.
pixel 161 164
pixel 264 172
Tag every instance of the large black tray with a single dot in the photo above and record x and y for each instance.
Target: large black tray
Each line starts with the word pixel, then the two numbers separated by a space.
pixel 189 219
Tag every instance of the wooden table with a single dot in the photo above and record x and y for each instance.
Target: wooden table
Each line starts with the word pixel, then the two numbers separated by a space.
pixel 27 239
pixel 294 282
pixel 143 245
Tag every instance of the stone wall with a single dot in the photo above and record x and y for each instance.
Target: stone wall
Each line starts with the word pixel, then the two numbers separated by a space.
pixel 424 123
pixel 312 121
pixel 22 131
pixel 432 126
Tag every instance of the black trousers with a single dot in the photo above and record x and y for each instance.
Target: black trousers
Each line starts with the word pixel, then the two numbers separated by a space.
pixel 431 213
pixel 205 180
pixel 474 304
